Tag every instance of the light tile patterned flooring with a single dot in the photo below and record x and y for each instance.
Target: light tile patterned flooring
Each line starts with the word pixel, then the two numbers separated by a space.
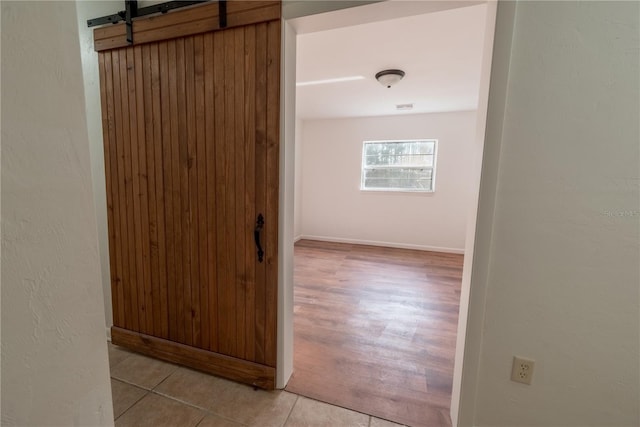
pixel 149 392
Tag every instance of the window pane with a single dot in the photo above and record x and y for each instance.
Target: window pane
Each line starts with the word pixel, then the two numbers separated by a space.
pixel 399 160
pixel 398 178
pixel 398 165
pixel 399 148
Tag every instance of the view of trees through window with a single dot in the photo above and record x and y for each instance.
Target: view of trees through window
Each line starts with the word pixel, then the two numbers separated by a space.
pixel 398 165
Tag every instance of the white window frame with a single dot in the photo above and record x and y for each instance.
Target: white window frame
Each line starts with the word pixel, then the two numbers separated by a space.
pixel 396 190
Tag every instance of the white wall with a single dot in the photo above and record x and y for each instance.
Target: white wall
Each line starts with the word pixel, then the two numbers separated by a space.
pixel 297 222
pixel 286 206
pixel 494 70
pixel 54 355
pixel 297 8
pixel 88 10
pixel 562 265
pixel 334 207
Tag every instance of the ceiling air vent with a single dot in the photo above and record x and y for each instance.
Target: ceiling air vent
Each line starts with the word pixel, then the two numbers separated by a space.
pixel 404 107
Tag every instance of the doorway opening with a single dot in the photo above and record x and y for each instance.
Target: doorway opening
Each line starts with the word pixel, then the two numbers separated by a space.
pixel 329 143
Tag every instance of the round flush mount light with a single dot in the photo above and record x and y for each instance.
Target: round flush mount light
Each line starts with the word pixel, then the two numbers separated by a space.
pixel 389 77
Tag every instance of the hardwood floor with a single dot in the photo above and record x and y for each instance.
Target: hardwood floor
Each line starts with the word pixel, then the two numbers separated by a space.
pixel 375 329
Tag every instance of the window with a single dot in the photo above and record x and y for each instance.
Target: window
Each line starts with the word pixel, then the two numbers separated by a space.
pixel 399 165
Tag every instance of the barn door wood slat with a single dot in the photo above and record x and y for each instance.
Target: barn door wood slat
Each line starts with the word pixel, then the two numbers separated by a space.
pixel 181 197
pixel 150 94
pixel 243 269
pixel 191 144
pixel 260 181
pixel 192 312
pixel 201 333
pixel 228 342
pixel 110 156
pixel 129 217
pixel 250 192
pixel 211 234
pixel 148 193
pixel 120 105
pixel 273 178
pixel 141 182
pixel 166 120
pixel 134 213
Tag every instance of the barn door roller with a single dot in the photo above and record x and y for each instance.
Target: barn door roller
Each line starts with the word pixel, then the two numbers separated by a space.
pixel 131 11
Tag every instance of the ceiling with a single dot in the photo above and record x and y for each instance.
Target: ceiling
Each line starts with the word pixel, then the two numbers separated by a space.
pixel 440 52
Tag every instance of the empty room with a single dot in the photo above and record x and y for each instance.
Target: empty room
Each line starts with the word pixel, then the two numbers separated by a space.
pixel 385 151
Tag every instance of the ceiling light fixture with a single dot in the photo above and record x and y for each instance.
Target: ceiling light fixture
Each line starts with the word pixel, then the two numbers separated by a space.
pixel 336 80
pixel 389 77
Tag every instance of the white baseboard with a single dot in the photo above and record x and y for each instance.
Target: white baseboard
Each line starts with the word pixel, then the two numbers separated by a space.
pixel 295 239
pixel 109 334
pixel 384 244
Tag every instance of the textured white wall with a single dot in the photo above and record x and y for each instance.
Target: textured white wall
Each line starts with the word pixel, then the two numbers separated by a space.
pixel 54 355
pixel 563 276
pixel 334 208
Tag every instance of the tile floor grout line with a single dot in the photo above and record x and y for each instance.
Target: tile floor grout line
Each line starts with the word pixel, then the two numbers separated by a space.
pixel 184 402
pixel 286 420
pixel 132 405
pixel 165 378
pixel 201 420
pixel 120 362
pixel 130 383
pixel 337 405
pixel 208 411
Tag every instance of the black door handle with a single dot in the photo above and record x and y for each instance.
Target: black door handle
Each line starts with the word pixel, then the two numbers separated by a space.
pixel 256 236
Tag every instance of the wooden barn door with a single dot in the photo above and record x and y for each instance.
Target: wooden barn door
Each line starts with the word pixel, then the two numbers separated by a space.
pixel 191 141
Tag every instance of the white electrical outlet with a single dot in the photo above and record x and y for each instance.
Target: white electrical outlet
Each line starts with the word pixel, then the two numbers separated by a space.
pixel 522 370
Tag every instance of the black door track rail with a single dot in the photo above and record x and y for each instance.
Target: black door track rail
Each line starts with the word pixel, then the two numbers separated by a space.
pixel 132 11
